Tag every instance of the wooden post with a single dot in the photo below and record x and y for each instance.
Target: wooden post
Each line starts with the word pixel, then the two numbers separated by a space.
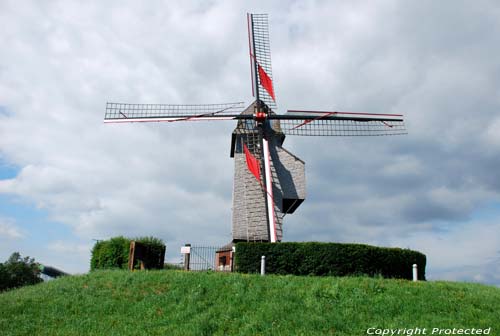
pixel 131 256
pixel 162 258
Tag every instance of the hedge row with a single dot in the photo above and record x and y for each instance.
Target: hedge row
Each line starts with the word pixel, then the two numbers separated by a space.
pixel 329 259
pixel 114 253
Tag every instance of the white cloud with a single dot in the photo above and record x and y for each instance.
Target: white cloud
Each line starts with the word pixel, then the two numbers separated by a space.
pixel 68 247
pixel 468 251
pixel 8 230
pixel 491 136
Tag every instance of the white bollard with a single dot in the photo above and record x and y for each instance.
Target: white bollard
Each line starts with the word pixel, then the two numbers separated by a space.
pixel 415 272
pixel 263 265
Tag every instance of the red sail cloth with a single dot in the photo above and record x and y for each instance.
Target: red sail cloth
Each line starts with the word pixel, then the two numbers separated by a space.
pixel 266 82
pixel 252 163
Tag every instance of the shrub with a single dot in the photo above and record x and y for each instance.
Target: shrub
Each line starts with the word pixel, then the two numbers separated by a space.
pixel 170 266
pixel 114 253
pixel 336 259
pixel 17 272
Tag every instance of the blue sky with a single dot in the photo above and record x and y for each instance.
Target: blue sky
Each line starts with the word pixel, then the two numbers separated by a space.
pixel 66 178
pixel 33 226
pixel 8 171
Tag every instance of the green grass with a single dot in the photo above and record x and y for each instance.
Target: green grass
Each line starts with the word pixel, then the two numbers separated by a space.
pixel 182 303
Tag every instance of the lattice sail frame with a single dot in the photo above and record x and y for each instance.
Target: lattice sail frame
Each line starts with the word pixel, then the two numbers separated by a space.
pixel 294 122
pixel 315 123
pixel 260 54
pixel 339 127
pixel 122 112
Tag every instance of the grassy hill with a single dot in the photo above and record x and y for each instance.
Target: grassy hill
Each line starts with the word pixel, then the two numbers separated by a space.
pixel 181 303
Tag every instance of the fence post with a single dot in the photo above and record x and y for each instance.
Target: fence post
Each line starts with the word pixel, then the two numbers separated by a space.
pixel 263 265
pixel 187 257
pixel 131 256
pixel 415 272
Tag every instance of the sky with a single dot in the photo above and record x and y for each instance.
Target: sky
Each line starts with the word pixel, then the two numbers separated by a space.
pixel 67 179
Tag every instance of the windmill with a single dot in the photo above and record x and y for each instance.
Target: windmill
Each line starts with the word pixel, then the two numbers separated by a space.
pixel 269 181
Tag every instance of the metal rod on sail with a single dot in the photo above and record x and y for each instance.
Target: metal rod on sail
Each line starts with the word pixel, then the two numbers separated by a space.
pixel 255 77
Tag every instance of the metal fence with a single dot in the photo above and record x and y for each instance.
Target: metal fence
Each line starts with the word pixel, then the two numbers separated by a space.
pixel 202 258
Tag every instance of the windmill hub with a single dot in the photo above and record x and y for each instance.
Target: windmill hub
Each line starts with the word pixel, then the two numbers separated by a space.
pixel 260 116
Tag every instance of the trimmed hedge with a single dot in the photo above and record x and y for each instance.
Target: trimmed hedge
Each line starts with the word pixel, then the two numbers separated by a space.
pixel 335 259
pixel 113 253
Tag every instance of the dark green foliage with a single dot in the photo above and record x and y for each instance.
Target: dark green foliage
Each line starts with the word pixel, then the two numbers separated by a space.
pixel 154 255
pixel 169 266
pixel 113 253
pixel 17 272
pixel 329 259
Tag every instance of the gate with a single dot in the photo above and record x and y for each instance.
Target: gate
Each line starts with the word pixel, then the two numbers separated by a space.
pixel 200 258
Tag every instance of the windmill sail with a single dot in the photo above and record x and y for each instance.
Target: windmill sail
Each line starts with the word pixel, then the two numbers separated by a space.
pixel 322 123
pixel 260 59
pixel 120 112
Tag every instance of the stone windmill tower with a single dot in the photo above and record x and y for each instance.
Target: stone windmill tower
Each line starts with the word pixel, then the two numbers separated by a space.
pixel 269 181
pixel 250 212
